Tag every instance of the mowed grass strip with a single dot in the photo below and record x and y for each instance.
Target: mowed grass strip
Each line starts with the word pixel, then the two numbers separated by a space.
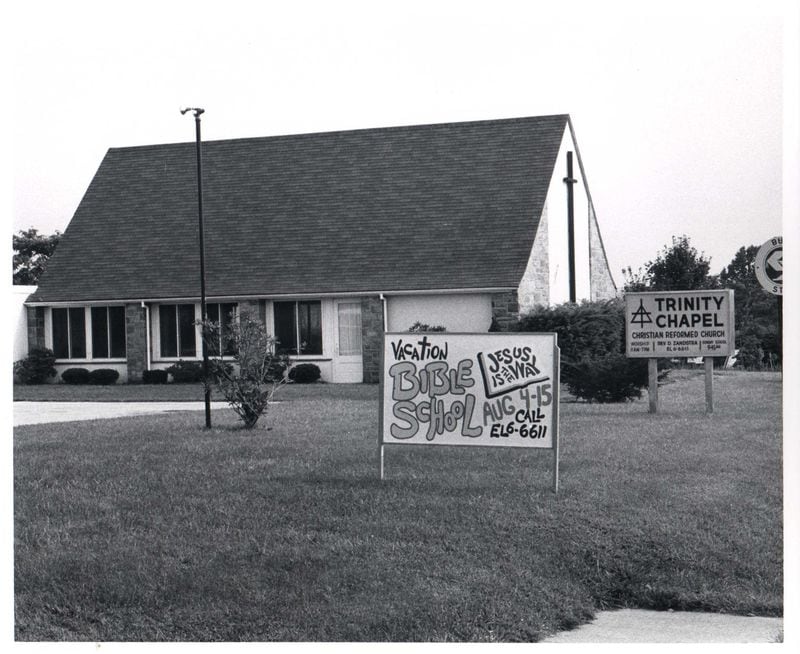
pixel 60 392
pixel 152 528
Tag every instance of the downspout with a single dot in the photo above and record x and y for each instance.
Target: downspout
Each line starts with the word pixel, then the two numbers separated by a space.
pixel 385 314
pixel 147 333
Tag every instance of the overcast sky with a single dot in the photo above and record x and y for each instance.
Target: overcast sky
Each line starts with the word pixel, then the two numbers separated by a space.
pixel 677 112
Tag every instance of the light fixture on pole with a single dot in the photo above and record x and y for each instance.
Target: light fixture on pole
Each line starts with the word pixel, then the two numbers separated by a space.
pixel 207 393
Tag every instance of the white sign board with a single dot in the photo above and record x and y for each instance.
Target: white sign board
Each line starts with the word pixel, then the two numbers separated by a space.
pixel 769 266
pixel 679 324
pixel 470 389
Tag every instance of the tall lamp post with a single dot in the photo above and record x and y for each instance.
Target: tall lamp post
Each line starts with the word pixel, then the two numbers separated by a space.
pixel 197 111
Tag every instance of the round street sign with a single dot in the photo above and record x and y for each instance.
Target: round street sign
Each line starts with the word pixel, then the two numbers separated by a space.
pixel 769 266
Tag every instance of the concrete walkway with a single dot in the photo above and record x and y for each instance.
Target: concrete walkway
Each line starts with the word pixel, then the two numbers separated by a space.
pixel 638 626
pixel 34 413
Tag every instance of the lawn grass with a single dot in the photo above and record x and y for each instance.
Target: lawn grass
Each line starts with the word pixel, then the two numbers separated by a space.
pixel 176 392
pixel 150 528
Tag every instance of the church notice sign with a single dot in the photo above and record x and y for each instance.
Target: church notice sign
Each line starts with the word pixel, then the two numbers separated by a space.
pixel 497 390
pixel 679 324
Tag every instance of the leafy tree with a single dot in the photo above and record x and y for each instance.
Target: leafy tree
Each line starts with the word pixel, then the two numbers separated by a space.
pixel 757 313
pixel 635 282
pixel 679 267
pixel 32 251
pixel 742 269
pixel 249 383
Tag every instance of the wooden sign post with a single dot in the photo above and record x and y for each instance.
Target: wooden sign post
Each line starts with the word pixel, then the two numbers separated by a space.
pixel 679 324
pixel 652 384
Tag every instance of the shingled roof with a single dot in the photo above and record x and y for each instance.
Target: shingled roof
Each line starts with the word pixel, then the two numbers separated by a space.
pixel 449 206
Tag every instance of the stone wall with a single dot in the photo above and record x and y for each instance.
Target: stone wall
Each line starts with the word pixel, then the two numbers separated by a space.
pixel 505 309
pixel 534 288
pixel 136 341
pixel 35 327
pixel 601 280
pixel 371 338
pixel 258 307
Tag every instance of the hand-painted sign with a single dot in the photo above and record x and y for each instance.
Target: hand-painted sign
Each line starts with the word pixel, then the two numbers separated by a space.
pixel 769 266
pixel 679 324
pixel 470 389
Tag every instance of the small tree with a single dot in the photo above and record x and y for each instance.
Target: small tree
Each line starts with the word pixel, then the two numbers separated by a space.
pixel 249 383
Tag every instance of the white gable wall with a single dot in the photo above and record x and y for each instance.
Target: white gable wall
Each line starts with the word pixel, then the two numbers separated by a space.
pixel 546 278
pixel 455 312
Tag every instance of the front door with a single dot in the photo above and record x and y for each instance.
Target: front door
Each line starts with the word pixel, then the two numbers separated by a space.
pixel 347 361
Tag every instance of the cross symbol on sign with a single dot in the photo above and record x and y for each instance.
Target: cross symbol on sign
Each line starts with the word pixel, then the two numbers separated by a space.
pixel 641 316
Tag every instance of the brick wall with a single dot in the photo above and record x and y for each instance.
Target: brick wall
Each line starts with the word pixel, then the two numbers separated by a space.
pixel 136 341
pixel 371 338
pixel 505 309
pixel 35 327
pixel 601 281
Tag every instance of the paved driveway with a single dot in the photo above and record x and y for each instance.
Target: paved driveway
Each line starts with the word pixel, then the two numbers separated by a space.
pixel 34 413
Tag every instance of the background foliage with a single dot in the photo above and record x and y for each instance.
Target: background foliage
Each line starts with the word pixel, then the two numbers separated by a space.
pixel 32 251
pixel 757 313
pixel 678 267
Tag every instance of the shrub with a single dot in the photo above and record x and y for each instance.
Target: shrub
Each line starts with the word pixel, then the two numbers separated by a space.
pixel 305 373
pixel 36 367
pixel 75 376
pixel 751 354
pixel 588 329
pixel 424 327
pixel 154 377
pixel 259 370
pixel 609 378
pixel 591 336
pixel 103 376
pixel 186 372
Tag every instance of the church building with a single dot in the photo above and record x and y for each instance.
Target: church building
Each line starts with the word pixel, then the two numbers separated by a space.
pixel 332 238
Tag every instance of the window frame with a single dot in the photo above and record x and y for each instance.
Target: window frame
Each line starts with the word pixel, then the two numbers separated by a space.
pixel 297 327
pixel 156 328
pixel 88 335
pixel 227 353
pixel 109 334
